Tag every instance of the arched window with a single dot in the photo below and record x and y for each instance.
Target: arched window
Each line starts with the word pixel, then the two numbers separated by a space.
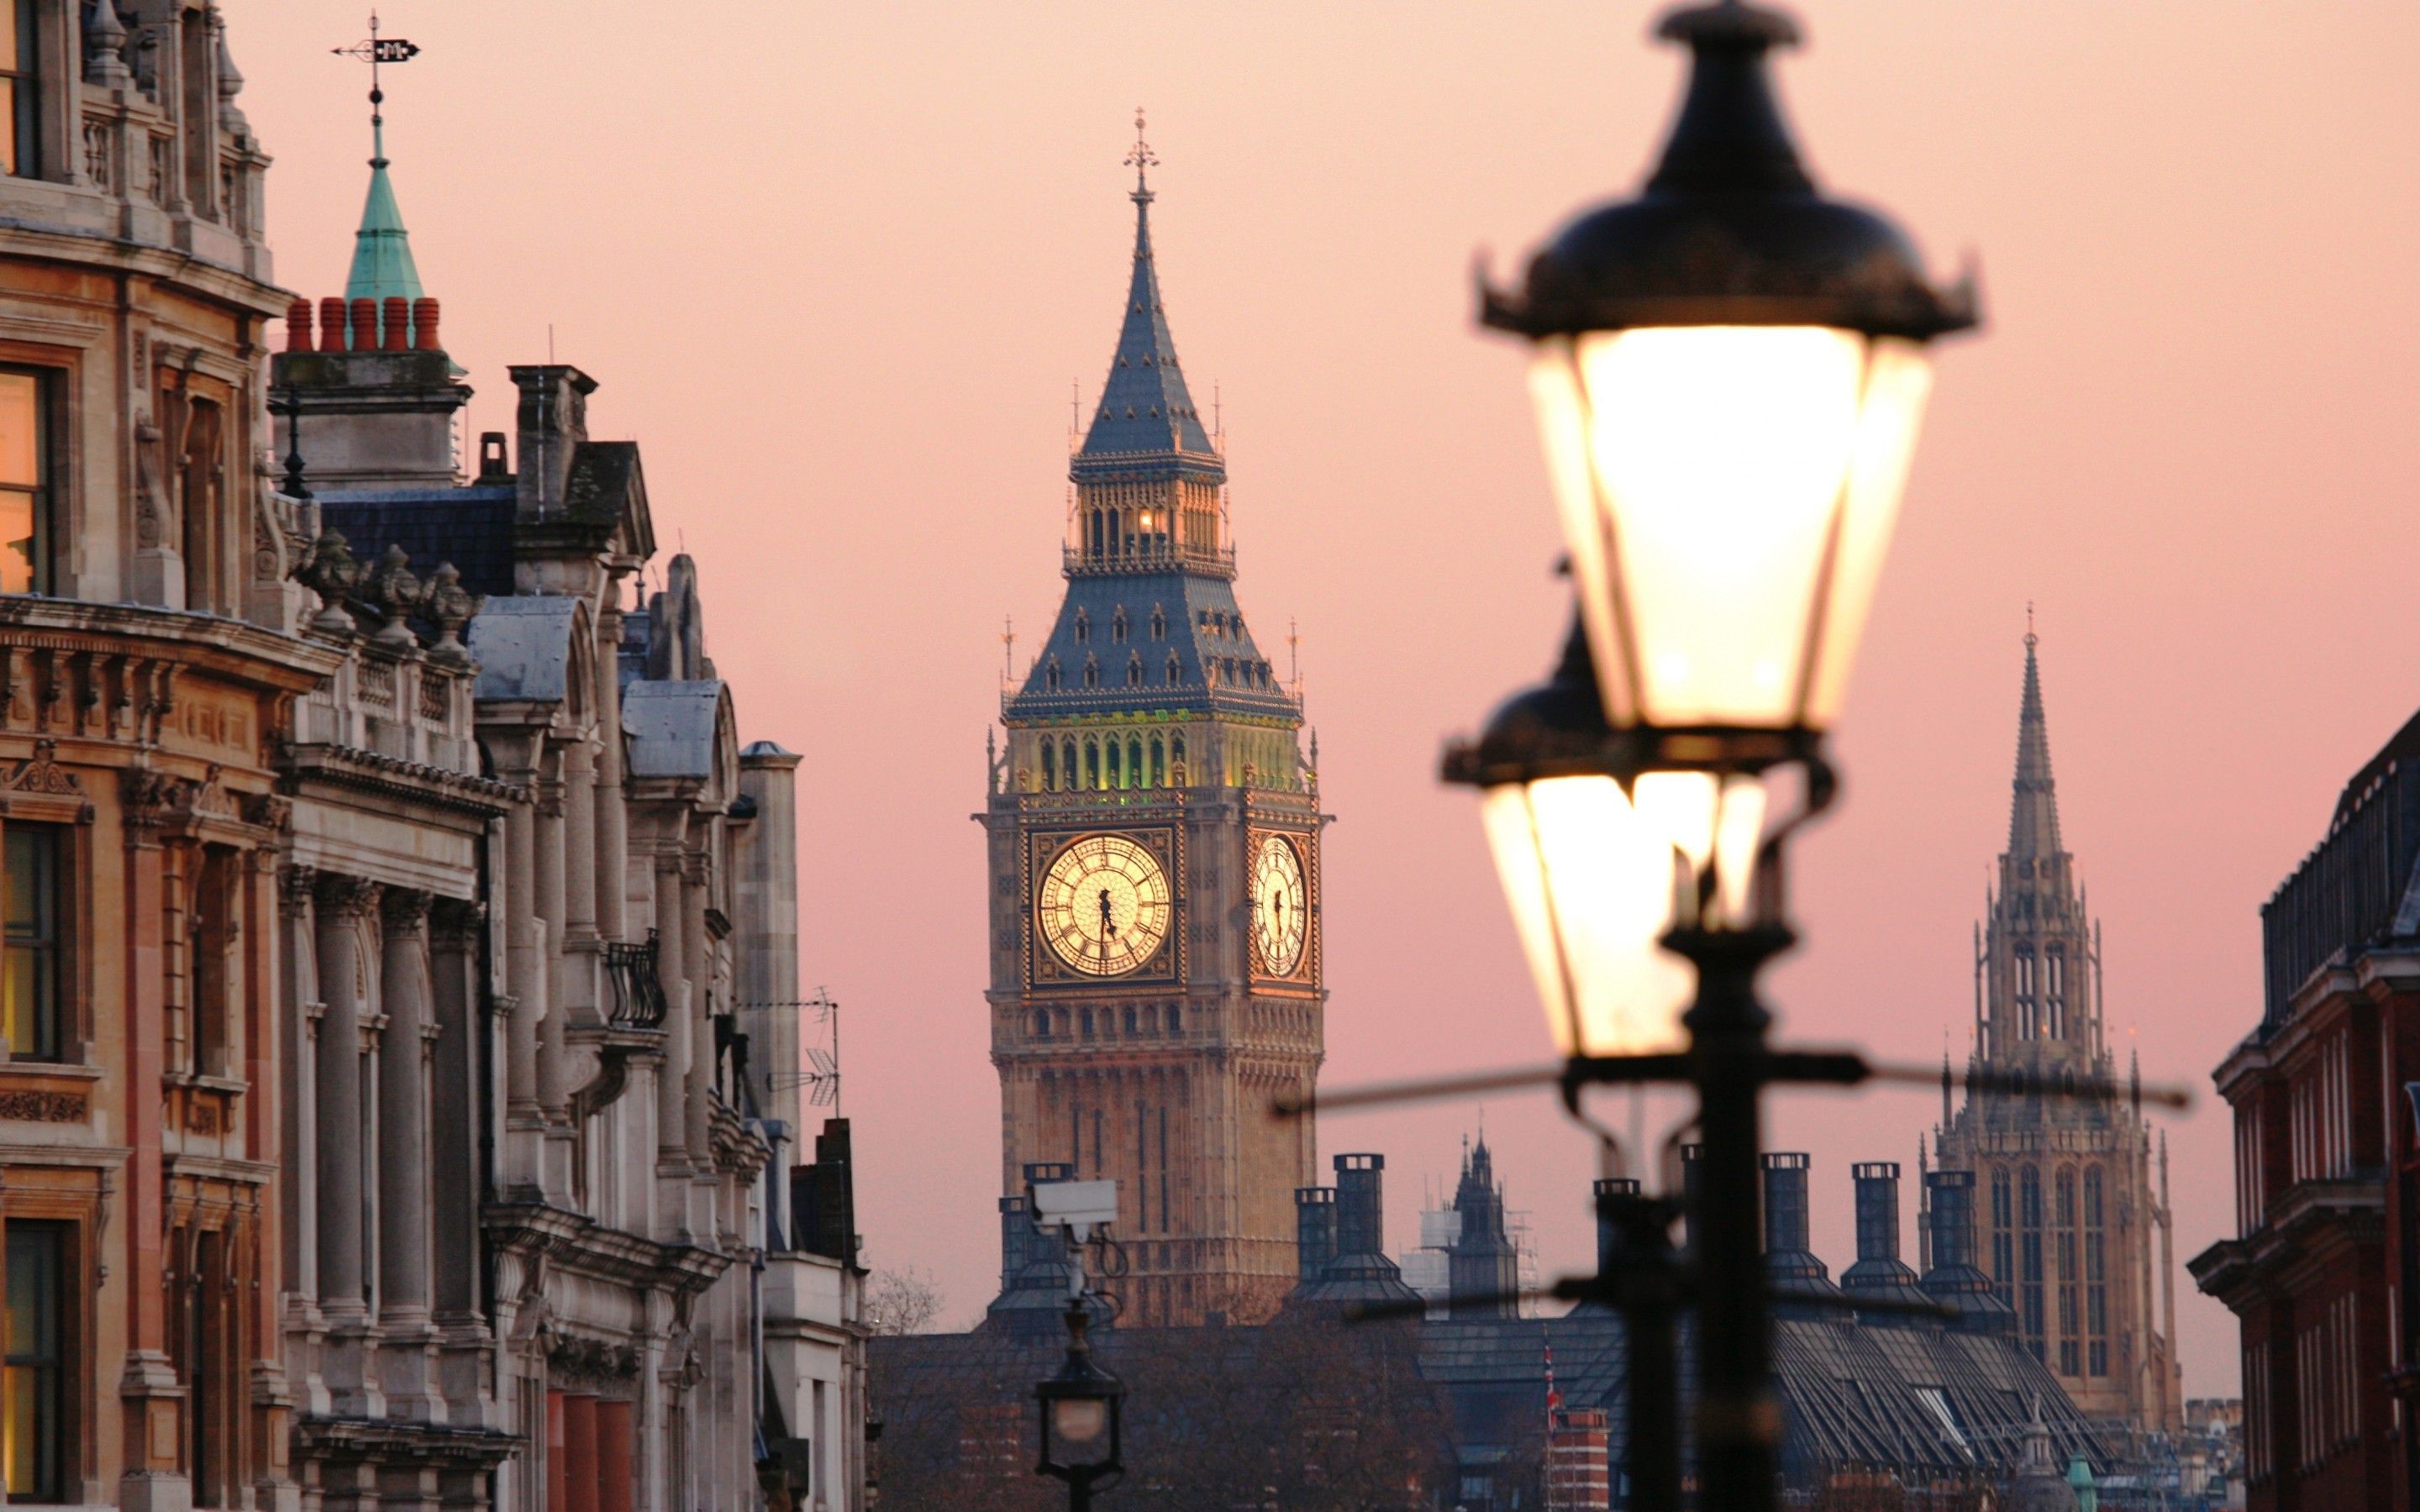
pixel 2004 1238
pixel 1097 536
pixel 1042 1024
pixel 1158 763
pixel 2055 993
pixel 1083 627
pixel 1175 670
pixel 1067 765
pixel 2070 1300
pixel 1159 625
pixel 1175 1019
pixel 1092 672
pixel 1176 757
pixel 1117 767
pixel 2095 1277
pixel 1134 760
pixel 1050 675
pixel 1049 766
pixel 1117 626
pixel 1091 765
pixel 2028 1011
pixel 1130 1021
pixel 2030 1297
pixel 1088 1024
pixel 1134 671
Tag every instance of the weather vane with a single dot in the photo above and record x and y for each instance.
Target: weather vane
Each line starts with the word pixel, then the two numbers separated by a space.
pixel 1141 157
pixel 375 49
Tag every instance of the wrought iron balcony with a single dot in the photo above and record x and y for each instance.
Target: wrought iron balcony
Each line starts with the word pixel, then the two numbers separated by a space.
pixel 639 1001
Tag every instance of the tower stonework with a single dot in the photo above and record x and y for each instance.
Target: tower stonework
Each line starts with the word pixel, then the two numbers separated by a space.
pixel 1154 839
pixel 2071 1219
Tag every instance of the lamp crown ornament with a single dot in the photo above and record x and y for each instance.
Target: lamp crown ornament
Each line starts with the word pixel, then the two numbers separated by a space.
pixel 1730 228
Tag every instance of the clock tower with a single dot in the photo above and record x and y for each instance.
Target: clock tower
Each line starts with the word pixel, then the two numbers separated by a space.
pixel 1154 835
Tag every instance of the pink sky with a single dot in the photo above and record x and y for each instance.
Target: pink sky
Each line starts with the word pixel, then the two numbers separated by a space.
pixel 836 265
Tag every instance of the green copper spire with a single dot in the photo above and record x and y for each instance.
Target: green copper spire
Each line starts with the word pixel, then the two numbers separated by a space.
pixel 382 266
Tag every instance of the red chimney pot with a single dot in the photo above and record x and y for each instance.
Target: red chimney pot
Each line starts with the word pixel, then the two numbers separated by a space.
pixel 298 326
pixel 365 325
pixel 423 324
pixel 398 324
pixel 331 324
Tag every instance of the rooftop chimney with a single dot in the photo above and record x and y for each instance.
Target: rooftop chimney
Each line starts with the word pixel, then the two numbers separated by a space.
pixel 552 421
pixel 1315 1228
pixel 1879 1273
pixel 1954 1279
pixel 1609 1236
pixel 1360 1208
pixel 1795 1271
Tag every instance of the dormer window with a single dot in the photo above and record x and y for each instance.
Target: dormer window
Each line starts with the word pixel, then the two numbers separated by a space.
pixel 1092 672
pixel 1175 670
pixel 1083 629
pixel 1134 672
pixel 1159 625
pixel 1050 676
pixel 1118 625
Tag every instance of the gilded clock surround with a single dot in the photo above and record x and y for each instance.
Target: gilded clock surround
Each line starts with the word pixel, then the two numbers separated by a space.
pixel 1067 872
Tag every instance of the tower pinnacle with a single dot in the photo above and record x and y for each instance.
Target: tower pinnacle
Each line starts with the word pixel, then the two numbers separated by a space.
pixel 383 264
pixel 2033 808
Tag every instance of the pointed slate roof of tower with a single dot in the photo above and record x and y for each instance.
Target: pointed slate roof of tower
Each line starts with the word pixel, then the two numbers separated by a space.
pixel 2033 807
pixel 1145 408
pixel 382 266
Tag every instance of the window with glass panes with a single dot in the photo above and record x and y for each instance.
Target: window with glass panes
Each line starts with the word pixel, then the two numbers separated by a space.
pixel 24 482
pixel 30 996
pixel 33 1389
pixel 2071 1354
pixel 2029 1289
pixel 2096 1287
pixel 19 92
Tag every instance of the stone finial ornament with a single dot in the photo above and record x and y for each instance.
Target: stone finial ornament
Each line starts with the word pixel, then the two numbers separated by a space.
pixel 330 569
pixel 451 606
pixel 396 595
pixel 104 47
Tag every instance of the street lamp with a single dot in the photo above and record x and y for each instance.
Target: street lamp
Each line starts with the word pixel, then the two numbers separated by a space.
pixel 1728 372
pixel 1082 1436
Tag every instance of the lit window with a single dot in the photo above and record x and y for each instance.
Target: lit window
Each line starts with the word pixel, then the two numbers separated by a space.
pixel 35 1411
pixel 29 960
pixel 20 90
pixel 24 484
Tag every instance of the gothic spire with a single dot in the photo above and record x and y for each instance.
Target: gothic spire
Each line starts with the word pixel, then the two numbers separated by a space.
pixel 1145 408
pixel 2033 808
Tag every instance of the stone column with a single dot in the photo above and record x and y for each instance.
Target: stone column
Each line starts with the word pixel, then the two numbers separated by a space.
pixel 455 926
pixel 553 1090
pixel 672 966
pixel 522 970
pixel 299 1042
pixel 344 904
pixel 408 1357
pixel 700 973
pixel 148 1386
pixel 612 874
pixel 583 963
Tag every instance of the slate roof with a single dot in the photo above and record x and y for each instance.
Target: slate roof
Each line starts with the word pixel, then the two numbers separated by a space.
pixel 523 647
pixel 1194 608
pixel 471 528
pixel 672 726
pixel 1145 408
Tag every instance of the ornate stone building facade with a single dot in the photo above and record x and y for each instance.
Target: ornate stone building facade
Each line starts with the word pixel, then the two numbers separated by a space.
pixel 147 677
pixel 377 1126
pixel 2071 1209
pixel 1153 852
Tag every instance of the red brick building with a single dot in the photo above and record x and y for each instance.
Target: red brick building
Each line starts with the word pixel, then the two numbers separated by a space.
pixel 2321 1272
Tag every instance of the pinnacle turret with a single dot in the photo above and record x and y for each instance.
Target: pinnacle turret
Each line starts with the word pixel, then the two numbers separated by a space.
pixel 2033 808
pixel 1145 408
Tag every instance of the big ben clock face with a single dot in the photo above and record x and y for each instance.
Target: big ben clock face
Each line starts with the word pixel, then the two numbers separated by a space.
pixel 1104 905
pixel 1281 905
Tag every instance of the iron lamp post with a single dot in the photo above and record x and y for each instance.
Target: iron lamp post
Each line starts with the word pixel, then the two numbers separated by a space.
pixel 1082 1433
pixel 1728 372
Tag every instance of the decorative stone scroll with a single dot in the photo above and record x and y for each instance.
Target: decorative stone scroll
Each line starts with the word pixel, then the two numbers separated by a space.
pixel 41 773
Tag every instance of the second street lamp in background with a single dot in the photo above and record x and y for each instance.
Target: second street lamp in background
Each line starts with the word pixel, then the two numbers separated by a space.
pixel 1728 372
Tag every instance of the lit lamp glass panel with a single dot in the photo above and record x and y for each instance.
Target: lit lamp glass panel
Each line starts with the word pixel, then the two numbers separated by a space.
pixel 21 478
pixel 1079 1419
pixel 1727 493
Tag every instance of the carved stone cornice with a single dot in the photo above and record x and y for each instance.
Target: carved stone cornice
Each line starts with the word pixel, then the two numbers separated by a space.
pixel 41 773
pixel 295 887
